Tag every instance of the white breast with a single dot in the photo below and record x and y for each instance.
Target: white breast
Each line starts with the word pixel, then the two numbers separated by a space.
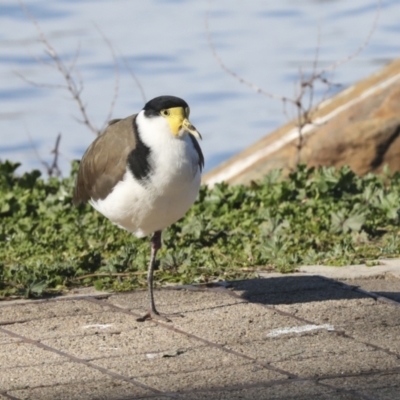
pixel 145 207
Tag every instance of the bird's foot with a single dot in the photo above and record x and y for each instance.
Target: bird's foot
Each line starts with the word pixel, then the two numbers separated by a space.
pixel 154 314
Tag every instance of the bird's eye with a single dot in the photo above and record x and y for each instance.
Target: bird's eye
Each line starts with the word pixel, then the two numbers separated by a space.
pixel 165 113
pixel 187 112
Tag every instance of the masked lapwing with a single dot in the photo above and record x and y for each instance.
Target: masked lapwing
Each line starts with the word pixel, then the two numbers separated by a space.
pixel 143 173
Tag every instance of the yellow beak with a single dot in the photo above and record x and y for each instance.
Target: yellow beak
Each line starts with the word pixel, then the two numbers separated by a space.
pixel 179 123
pixel 191 129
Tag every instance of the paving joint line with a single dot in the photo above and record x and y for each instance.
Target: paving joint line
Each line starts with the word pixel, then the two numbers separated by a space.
pixel 29 365
pixel 244 301
pixel 19 321
pixel 291 376
pixel 348 391
pixel 374 346
pixel 375 296
pixel 294 378
pixel 315 381
pixel 346 287
pixel 230 388
pixel 207 342
pixel 84 362
pixel 360 374
pixel 337 332
pixel 50 385
pixel 23 321
pixel 8 396
pixel 24 302
pixel 269 307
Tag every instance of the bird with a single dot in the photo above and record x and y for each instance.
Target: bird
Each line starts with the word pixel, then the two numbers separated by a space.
pixel 143 173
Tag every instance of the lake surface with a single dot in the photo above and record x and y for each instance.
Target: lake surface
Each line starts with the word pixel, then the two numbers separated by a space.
pixel 164 42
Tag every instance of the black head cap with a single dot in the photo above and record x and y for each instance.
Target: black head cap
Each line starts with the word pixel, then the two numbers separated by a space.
pixel 154 106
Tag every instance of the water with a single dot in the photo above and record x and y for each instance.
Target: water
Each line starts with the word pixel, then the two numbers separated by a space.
pixel 165 44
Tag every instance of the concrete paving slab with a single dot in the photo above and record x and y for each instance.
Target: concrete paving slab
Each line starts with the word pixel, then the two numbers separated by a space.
pixel 24 355
pixel 46 375
pixel 365 313
pixel 293 289
pixel 241 322
pixel 79 325
pixel 206 378
pixel 290 390
pixel 5 339
pixel 140 339
pixel 297 347
pixel 175 361
pixel 337 364
pixel 50 309
pixel 104 389
pixel 280 283
pixel 173 301
pixel 384 386
pixel 383 285
pixel 386 393
pixel 305 297
pixel 387 337
pixel 252 394
pixel 225 346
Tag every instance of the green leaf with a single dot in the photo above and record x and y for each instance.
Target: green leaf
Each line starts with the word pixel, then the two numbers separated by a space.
pixel 313 216
pixel 353 223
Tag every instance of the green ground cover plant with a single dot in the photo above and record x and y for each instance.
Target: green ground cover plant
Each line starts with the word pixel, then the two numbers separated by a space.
pixel 313 216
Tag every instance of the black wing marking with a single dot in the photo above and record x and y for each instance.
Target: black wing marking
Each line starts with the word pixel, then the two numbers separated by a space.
pixel 199 152
pixel 139 158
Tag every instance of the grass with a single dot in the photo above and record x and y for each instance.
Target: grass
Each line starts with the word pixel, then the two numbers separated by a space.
pixel 314 216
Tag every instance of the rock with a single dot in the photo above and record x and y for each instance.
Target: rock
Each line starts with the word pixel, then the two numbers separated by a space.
pixel 359 127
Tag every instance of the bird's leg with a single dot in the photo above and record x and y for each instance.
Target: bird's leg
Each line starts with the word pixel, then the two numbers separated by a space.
pixel 155 246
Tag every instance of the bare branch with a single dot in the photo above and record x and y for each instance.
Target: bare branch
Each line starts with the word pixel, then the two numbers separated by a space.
pixel 305 87
pixel 75 59
pixel 71 85
pixel 229 71
pixel 318 45
pixel 51 169
pixel 54 168
pixel 38 84
pixel 40 60
pixel 361 48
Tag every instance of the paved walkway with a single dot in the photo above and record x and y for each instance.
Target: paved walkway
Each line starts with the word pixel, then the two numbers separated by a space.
pixel 285 337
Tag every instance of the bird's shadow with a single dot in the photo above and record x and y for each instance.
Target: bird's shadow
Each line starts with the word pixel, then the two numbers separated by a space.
pixel 300 289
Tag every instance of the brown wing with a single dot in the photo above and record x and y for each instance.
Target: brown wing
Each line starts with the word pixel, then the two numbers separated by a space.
pixel 104 163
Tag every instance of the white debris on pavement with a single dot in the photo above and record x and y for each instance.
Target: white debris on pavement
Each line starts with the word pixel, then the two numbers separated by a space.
pixel 100 326
pixel 299 329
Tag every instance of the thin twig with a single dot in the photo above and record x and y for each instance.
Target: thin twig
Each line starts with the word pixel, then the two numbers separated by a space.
pixel 54 168
pixel 229 71
pixel 305 86
pixel 75 59
pixel 362 47
pixel 51 169
pixel 39 84
pixel 72 86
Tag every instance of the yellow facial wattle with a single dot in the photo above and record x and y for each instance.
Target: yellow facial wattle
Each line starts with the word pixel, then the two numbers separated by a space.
pixel 178 121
